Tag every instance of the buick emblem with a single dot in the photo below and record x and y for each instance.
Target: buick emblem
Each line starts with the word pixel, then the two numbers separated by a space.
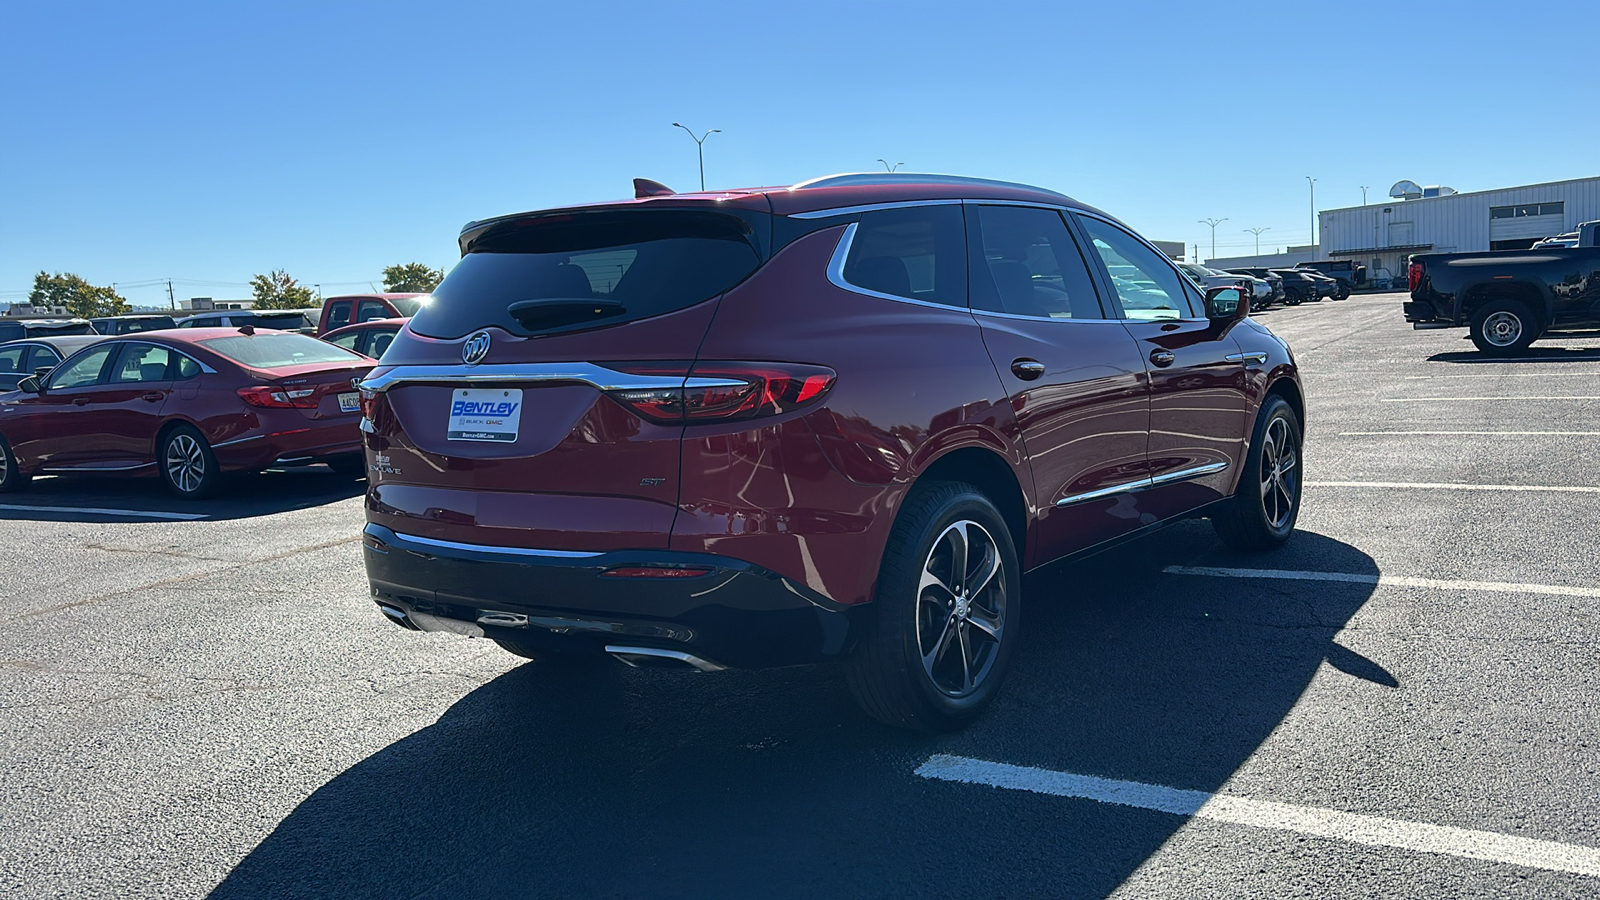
pixel 475 349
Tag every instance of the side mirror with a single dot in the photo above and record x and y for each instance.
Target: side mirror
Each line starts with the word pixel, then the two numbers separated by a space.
pixel 29 385
pixel 1226 304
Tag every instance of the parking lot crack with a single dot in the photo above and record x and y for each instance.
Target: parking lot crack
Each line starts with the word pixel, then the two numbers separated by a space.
pixel 154 551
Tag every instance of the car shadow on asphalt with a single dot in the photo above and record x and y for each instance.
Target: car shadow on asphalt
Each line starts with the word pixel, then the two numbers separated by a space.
pixel 1530 355
pixel 609 782
pixel 86 498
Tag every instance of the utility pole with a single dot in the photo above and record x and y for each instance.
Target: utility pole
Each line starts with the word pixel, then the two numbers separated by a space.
pixel 1363 195
pixel 1313 183
pixel 1257 233
pixel 700 142
pixel 887 167
pixel 1213 223
pixel 172 301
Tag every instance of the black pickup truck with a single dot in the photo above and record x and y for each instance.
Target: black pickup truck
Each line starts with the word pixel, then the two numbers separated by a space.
pixel 1510 298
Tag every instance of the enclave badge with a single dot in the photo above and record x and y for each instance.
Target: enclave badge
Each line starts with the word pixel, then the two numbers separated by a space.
pixel 475 349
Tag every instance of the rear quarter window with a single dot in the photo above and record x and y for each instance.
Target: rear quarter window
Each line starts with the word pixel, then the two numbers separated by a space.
pixel 638 264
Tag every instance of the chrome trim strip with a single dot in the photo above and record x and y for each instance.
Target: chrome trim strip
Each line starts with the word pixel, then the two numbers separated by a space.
pixel 1001 315
pixel 841 253
pixel 623 652
pixel 366 426
pixel 1144 483
pixel 870 207
pixel 1186 474
pixel 1257 357
pixel 485 548
pixel 253 437
pixel 595 376
pixel 83 469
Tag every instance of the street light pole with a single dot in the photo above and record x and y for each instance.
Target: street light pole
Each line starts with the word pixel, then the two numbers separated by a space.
pixel 700 143
pixel 887 167
pixel 1313 183
pixel 1257 233
pixel 1363 195
pixel 1213 223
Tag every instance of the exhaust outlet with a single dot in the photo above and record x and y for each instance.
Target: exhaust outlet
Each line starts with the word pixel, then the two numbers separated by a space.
pixel 398 617
pixel 642 657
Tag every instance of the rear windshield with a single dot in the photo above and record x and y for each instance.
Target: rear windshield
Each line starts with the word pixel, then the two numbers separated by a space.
pixel 271 351
pixel 281 320
pixel 54 329
pixel 130 326
pixel 408 306
pixel 635 264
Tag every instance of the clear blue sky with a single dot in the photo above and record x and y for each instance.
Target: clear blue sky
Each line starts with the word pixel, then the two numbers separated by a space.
pixel 207 142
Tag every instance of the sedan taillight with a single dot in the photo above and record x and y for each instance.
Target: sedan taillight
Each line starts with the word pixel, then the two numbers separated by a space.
pixel 269 397
pixel 725 391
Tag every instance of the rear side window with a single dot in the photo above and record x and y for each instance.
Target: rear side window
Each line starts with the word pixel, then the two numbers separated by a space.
pixel 11 359
pixel 339 314
pixel 11 331
pixel 1025 263
pixel 271 351
pixel 568 272
pixel 916 252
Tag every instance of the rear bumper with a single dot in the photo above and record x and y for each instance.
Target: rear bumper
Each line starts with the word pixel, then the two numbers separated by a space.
pixel 736 614
pixel 297 441
pixel 1423 314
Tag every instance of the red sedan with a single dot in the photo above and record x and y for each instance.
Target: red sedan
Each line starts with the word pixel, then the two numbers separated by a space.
pixel 188 405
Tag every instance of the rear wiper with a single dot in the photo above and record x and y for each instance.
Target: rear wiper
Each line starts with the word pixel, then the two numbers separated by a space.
pixel 550 312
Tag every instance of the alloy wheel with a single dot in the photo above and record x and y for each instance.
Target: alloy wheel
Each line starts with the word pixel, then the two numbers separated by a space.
pixel 186 463
pixel 1280 478
pixel 961 608
pixel 1502 328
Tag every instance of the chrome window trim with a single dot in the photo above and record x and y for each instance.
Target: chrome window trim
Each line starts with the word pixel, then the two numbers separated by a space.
pixel 870 207
pixel 595 376
pixel 486 548
pixel 1000 315
pixel 1144 483
pixel 841 253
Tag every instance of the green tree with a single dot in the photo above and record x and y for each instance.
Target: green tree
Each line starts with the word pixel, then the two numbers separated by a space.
pixel 276 290
pixel 79 297
pixel 411 278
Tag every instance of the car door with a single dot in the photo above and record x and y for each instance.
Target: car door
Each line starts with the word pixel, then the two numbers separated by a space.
pixel 128 408
pixel 339 314
pixel 1199 404
pixel 48 428
pixel 1075 377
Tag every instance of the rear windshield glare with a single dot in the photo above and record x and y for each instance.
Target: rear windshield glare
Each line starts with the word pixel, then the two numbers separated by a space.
pixel 633 265
pixel 272 351
pixel 132 326
pixel 408 306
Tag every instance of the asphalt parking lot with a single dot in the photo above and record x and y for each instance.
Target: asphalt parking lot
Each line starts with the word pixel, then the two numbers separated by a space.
pixel 1400 702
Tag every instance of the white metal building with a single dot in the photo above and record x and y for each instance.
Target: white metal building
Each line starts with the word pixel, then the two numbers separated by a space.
pixel 1381 235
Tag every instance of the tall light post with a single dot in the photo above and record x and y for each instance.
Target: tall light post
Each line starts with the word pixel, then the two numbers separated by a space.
pixel 1363 195
pixel 700 143
pixel 1257 233
pixel 887 167
pixel 1313 183
pixel 1213 223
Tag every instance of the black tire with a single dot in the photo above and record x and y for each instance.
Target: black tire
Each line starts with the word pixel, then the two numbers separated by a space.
pixel 1293 298
pixel 188 467
pixel 1504 328
pixel 1343 293
pixel 349 466
pixel 12 478
pixel 975 625
pixel 1266 504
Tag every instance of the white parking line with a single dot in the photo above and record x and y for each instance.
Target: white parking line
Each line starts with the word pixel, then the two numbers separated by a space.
pixel 1507 375
pixel 1479 433
pixel 144 514
pixel 1453 486
pixel 1464 399
pixel 1355 828
pixel 1448 584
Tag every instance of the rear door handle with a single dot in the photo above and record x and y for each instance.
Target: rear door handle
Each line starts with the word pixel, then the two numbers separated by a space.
pixel 1027 369
pixel 80 401
pixel 1162 358
pixel 153 396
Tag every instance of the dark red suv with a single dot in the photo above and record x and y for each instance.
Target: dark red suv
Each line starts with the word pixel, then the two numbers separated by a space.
pixel 772 426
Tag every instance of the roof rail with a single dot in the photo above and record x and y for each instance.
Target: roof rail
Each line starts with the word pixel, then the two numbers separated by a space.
pixel 865 179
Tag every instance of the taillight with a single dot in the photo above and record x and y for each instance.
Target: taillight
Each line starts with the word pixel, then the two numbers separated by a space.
pixel 1414 276
pixel 270 397
pixel 725 391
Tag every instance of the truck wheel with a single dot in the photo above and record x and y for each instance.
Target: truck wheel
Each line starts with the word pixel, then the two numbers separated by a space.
pixel 948 603
pixel 1503 328
pixel 1262 512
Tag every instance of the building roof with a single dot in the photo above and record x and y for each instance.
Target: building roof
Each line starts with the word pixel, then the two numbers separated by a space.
pixel 1391 201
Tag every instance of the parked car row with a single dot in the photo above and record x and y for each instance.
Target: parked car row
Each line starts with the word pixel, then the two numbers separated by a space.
pixel 1298 285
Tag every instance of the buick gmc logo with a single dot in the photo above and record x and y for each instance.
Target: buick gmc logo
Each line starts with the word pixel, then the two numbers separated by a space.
pixel 475 349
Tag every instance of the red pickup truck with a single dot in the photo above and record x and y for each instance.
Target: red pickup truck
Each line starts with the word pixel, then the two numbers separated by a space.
pixel 350 309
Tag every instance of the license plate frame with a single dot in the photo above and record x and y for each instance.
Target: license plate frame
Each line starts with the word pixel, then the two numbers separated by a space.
pixel 350 402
